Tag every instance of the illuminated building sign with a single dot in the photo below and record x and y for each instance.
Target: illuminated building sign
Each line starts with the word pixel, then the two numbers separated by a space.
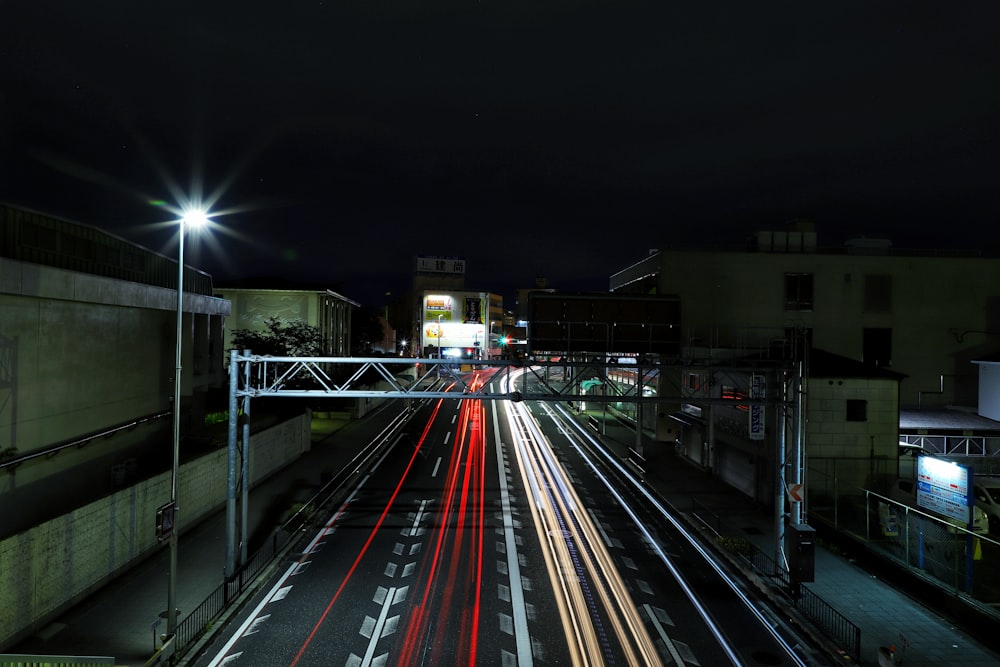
pixel 450 265
pixel 455 320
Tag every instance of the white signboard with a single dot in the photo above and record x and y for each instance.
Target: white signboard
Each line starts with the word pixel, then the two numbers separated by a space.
pixel 943 488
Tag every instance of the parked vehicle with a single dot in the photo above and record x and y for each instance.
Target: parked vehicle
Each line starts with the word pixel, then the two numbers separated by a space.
pixel 987 493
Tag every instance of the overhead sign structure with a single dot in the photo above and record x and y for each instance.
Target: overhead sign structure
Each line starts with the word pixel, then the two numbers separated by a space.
pixel 596 323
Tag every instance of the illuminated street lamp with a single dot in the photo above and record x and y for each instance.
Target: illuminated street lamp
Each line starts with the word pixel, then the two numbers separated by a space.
pixel 194 218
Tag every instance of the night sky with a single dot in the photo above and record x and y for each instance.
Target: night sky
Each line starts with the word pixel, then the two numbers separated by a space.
pixel 337 140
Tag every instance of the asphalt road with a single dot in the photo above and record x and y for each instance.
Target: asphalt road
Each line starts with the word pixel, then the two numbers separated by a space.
pixel 487 535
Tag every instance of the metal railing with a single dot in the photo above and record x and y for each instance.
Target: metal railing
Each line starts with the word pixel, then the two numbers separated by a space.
pixel 203 617
pixel 830 622
pixel 824 616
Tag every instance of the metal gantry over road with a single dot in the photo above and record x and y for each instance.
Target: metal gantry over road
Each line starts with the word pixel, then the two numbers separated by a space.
pixel 569 378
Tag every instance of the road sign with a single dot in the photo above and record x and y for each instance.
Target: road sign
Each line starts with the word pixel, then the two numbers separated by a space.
pixel 794 492
pixel 165 521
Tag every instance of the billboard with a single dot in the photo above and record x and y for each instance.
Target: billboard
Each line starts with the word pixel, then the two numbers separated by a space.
pixel 455 320
pixel 943 487
pixel 596 323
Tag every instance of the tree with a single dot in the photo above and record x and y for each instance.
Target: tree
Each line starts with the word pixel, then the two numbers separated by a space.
pixel 281 339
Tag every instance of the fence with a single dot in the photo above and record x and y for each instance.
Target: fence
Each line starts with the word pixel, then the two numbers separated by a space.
pixel 201 620
pixel 939 551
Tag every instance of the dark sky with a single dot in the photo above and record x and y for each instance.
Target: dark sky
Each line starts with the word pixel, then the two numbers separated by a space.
pixel 558 139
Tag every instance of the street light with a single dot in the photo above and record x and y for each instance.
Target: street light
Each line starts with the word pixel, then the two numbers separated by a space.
pixel 195 218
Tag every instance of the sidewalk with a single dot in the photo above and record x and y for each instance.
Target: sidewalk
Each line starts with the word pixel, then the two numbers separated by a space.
pixel 123 619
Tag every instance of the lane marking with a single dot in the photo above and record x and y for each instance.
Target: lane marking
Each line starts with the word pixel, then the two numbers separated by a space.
pixel 663 635
pixel 521 636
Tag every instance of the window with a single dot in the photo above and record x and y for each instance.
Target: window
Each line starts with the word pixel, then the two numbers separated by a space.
pixel 798 291
pixel 876 346
pixel 857 410
pixel 878 294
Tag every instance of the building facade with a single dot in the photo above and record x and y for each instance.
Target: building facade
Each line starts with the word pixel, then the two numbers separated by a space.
pixel 877 329
pixel 460 324
pixel 329 312
pixel 87 345
pixel 928 316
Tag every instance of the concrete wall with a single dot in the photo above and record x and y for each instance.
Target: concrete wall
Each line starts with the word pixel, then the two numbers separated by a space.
pixel 82 353
pixel 47 569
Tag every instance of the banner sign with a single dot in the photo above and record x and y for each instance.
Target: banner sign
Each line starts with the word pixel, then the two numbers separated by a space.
pixel 757 393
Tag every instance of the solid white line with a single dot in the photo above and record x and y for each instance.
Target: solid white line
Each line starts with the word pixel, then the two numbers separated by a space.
pixel 521 637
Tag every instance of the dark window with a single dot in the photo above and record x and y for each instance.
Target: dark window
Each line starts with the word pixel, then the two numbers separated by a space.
pixel 876 347
pixel 878 294
pixel 857 410
pixel 798 291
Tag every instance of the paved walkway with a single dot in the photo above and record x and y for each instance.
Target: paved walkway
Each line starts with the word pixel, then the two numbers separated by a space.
pixel 123 618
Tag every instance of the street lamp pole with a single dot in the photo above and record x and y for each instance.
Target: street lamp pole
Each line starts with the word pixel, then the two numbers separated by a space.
pixel 194 218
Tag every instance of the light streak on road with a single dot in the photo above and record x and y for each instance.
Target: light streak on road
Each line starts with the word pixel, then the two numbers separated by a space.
pixel 575 433
pixel 587 584
pixel 371 536
pixel 455 612
pixel 678 576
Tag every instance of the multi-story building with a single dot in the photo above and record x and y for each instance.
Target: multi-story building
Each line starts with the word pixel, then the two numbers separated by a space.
pixel 876 329
pixel 925 314
pixel 460 324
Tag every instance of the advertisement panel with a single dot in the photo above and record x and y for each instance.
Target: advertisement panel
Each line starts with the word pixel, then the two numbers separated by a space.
pixel 455 321
pixel 943 487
